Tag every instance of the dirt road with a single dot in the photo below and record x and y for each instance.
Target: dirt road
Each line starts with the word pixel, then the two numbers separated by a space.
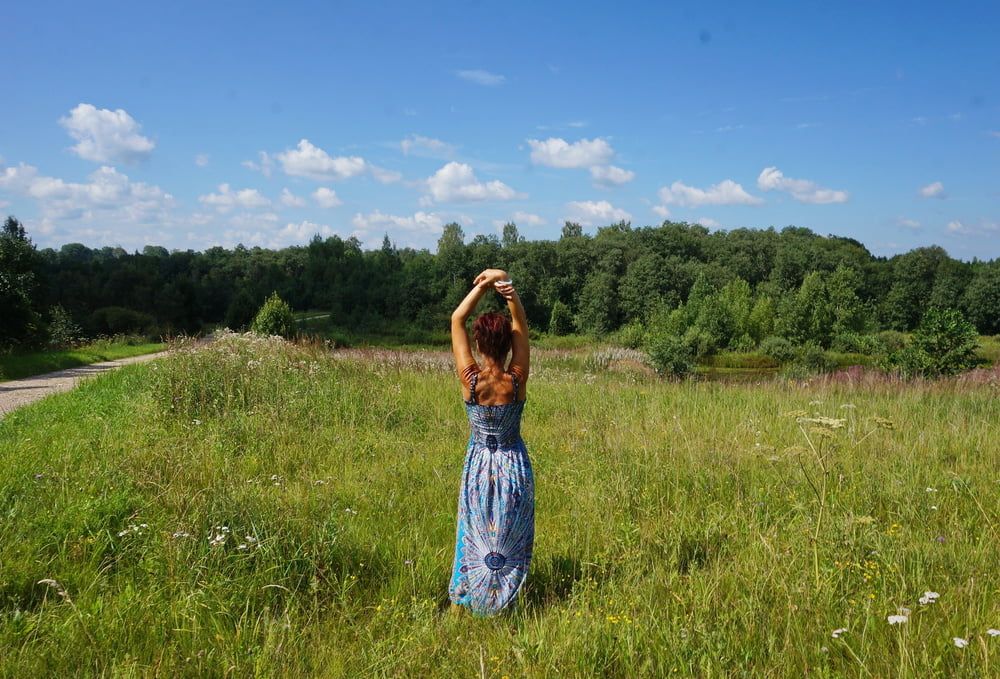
pixel 17 393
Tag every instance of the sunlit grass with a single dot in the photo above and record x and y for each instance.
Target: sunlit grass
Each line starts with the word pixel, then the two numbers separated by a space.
pixel 257 508
pixel 24 364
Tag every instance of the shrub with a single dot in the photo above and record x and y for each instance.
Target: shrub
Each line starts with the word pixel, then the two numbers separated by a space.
pixel 778 348
pixel 561 320
pixel 809 359
pixel 631 335
pixel 858 343
pixel 744 343
pixel 700 342
pixel 63 332
pixel 669 354
pixel 116 320
pixel 274 318
pixel 892 340
pixel 944 344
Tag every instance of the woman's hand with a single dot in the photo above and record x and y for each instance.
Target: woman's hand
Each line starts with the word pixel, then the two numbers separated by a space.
pixel 505 289
pixel 490 276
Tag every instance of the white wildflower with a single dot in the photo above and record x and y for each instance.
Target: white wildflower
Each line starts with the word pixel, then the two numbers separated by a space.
pixel 929 598
pixel 897 619
pixel 838 632
pixel 993 632
pixel 960 642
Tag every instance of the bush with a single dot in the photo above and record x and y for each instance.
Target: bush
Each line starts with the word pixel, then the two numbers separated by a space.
pixel 809 359
pixel 700 342
pixel 892 340
pixel 561 320
pixel 778 348
pixel 631 335
pixel 669 354
pixel 858 343
pixel 742 344
pixel 274 318
pixel 944 344
pixel 63 332
pixel 116 320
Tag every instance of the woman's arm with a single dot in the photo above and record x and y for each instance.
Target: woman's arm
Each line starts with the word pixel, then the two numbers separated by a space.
pixel 461 349
pixel 520 351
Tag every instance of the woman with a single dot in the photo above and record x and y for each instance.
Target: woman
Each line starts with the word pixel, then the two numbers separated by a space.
pixel 496 503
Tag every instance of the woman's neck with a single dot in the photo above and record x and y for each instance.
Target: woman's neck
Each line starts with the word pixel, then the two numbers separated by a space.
pixel 492 365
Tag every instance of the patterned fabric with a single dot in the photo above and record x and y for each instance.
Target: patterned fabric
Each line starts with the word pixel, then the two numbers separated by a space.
pixel 496 509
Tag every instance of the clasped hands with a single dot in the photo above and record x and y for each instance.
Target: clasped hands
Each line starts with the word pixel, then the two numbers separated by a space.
pixel 497 278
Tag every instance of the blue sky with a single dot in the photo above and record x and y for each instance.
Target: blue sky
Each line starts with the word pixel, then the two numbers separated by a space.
pixel 198 124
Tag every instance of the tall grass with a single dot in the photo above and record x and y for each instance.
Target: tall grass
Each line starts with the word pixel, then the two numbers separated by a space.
pixel 15 365
pixel 259 508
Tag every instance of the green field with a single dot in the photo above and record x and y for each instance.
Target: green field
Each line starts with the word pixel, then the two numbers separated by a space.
pixel 16 365
pixel 256 508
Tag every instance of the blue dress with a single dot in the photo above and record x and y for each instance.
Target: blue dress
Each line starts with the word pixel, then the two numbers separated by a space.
pixel 496 508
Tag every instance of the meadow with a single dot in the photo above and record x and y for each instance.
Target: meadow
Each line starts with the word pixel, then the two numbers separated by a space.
pixel 17 364
pixel 259 508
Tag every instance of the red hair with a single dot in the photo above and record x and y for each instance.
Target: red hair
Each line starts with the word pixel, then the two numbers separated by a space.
pixel 493 333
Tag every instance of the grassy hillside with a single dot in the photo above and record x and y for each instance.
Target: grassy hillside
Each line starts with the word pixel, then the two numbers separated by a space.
pixel 253 508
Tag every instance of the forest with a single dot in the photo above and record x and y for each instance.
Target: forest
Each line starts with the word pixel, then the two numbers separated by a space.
pixel 718 289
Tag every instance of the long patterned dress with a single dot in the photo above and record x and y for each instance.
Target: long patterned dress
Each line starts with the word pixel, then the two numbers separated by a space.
pixel 496 508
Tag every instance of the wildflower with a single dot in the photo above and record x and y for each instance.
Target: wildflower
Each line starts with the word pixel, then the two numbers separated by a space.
pixel 897 619
pixel 838 632
pixel 351 511
pixel 54 584
pixel 180 534
pixel 819 420
pixel 848 406
pixel 939 539
pixel 929 598
pixel 928 489
pixel 993 632
pixel 884 423
pixel 934 508
pixel 960 642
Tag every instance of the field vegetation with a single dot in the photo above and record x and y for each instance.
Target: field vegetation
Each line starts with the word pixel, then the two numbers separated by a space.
pixel 257 507
pixel 17 364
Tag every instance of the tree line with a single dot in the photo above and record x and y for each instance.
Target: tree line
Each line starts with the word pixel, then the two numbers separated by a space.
pixel 720 290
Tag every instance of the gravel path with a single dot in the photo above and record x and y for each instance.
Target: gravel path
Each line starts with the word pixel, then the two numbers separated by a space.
pixel 16 393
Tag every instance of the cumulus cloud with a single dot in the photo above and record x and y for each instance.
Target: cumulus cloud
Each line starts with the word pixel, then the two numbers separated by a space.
pixel 481 77
pixel 227 199
pixel 312 162
pixel 911 224
pixel 802 190
pixel 557 152
pixel 661 210
pixel 590 212
pixel 325 197
pixel 383 175
pixel 108 194
pixel 419 145
pixel 708 222
pixel 422 222
pixel 726 192
pixel 520 218
pixel 289 199
pixel 609 175
pixel 957 228
pixel 303 231
pixel 106 136
pixel 456 182
pixel 933 190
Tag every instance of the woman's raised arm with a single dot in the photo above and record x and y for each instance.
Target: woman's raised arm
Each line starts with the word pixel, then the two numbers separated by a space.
pixel 461 348
pixel 520 348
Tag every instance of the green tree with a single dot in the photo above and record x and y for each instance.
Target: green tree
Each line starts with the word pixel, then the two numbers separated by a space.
pixel 943 344
pixel 19 263
pixel 981 299
pixel 511 237
pixel 274 318
pixel 561 320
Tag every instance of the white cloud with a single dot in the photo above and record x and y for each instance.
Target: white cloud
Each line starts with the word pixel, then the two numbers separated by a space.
pixel 289 199
pixel 994 133
pixel 911 224
pixel 105 136
pixel 201 160
pixel 264 164
pixel 726 192
pixel 327 198
pixel 557 152
pixel 108 194
pixel 419 145
pixel 227 199
pixel 383 175
pixel 933 190
pixel 456 182
pixel 481 77
pixel 708 222
pixel 303 231
pixel 307 160
pixel 521 219
pixel 661 210
pixel 422 222
pixel 802 190
pixel 590 212
pixel 609 175
pixel 957 228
